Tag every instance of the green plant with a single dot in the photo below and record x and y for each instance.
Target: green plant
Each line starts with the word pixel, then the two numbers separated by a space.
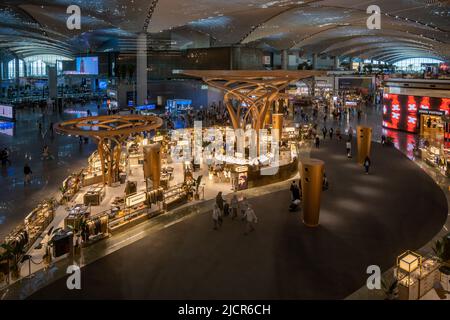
pixel 439 249
pixel 13 254
pixel 390 288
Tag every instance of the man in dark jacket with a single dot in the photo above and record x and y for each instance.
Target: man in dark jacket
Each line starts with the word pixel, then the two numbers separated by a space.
pixel 27 172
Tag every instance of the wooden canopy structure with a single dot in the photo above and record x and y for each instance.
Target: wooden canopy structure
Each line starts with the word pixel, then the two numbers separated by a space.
pixel 109 132
pixel 256 91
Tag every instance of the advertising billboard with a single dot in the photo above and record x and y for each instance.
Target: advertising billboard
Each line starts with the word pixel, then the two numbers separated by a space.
pixel 6 112
pixel 87 65
pixel 401 112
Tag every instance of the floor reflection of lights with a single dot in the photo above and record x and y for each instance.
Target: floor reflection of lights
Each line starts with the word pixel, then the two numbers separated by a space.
pixel 352 166
pixel 370 178
pixel 367 191
pixel 350 204
pixel 330 219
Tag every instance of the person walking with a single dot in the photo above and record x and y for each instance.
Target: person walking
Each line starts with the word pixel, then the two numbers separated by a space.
pixel 216 216
pixel 243 206
pixel 338 133
pixel 324 132
pixel 5 157
pixel 367 164
pixel 350 133
pixel 251 219
pixel 295 191
pixel 234 206
pixel 27 173
pixel 219 201
pixel 348 146
pixel 383 140
pixel 317 142
pixel 331 133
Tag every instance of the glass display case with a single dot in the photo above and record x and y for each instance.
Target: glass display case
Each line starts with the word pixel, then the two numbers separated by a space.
pixel 174 196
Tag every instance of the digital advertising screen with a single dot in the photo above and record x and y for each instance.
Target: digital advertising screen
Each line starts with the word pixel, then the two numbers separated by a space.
pixel 146 107
pixel 7 128
pixel 6 112
pixel 87 65
pixel 103 84
pixel 401 112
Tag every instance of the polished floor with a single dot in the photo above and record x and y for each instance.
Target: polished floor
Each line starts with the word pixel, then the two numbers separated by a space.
pixel 365 220
pixel 25 142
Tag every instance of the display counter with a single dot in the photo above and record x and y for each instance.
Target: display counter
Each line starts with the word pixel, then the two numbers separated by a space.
pixel 437 157
pixel 175 196
pixel 416 275
pixel 71 185
pixel 93 173
pixel 95 228
pixel 75 216
pixel 94 196
pixel 24 235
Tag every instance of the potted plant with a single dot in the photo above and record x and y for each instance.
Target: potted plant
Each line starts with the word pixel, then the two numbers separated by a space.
pixel 197 186
pixel 13 254
pixel 441 250
pixel 390 288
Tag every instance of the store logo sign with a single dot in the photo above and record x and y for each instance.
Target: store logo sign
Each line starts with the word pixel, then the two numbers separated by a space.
pixel 74 280
pixel 74 20
pixel 374 280
pixel 374 21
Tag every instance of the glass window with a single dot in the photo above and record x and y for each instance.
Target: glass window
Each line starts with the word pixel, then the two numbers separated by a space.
pixel 415 64
pixel 12 69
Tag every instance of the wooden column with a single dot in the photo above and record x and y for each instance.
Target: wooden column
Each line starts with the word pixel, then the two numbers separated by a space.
pixel 311 178
pixel 364 140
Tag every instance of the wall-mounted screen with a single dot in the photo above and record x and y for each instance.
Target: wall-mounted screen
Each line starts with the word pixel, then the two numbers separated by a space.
pixel 7 128
pixel 87 65
pixel 401 112
pixel 6 112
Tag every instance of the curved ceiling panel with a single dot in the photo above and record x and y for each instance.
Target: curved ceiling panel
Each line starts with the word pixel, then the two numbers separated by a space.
pixel 331 27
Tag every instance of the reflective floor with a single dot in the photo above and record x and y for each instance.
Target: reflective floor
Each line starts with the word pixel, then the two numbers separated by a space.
pixel 365 220
pixel 25 142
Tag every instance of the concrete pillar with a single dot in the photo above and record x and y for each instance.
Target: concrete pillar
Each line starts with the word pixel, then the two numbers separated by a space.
pixel 16 63
pixel 336 62
pixel 312 179
pixel 141 69
pixel 314 61
pixel 235 56
pixel 284 59
pixel 350 63
pixel 52 82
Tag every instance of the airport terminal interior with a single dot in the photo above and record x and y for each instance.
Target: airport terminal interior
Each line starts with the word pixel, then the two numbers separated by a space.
pixel 225 150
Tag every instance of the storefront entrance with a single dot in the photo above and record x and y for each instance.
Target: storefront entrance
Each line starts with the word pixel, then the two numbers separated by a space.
pixel 432 125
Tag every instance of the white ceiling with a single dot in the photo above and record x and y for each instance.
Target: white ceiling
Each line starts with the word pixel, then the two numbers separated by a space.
pixel 333 27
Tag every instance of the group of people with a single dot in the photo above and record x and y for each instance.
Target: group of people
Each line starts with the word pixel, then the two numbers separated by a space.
pixel 243 209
